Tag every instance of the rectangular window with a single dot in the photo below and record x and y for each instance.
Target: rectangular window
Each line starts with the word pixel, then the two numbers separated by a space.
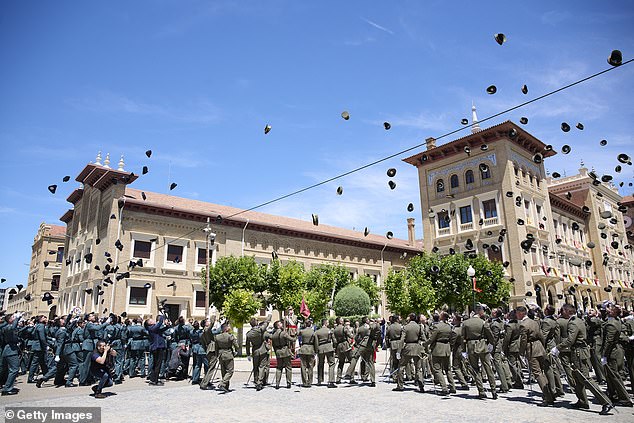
pixel 443 220
pixel 142 249
pixel 174 253
pixel 202 256
pixel 534 256
pixel 55 283
pixel 60 254
pixel 200 299
pixel 466 215
pixel 495 255
pixel 138 295
pixel 489 209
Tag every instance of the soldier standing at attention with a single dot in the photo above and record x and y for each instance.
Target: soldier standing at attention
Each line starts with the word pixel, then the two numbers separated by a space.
pixel 575 341
pixel 550 330
pixel 257 351
pixel 413 340
pixel 532 346
pixel 137 335
pixel 499 360
pixel 594 324
pixel 440 341
pixel 209 344
pixel 326 352
pixel 197 351
pixel 457 362
pixel 343 336
pixel 476 334
pixel 227 347
pixel 367 336
pixel 612 357
pixel 394 336
pixel 290 325
pixel 281 341
pixel 307 352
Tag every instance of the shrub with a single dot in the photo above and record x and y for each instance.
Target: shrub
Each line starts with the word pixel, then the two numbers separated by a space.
pixel 350 301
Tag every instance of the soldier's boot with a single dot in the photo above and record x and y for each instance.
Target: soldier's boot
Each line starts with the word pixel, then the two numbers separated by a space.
pixel 332 385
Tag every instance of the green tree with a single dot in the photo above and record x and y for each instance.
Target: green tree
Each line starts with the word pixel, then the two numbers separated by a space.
pixel 370 287
pixel 285 284
pixel 411 290
pixel 231 273
pixel 351 301
pixel 396 292
pixel 321 283
pixel 239 305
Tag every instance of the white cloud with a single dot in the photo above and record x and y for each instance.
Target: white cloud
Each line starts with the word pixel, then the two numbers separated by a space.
pixel 377 26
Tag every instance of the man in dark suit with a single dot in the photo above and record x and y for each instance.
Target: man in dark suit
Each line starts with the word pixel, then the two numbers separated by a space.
pixel 158 347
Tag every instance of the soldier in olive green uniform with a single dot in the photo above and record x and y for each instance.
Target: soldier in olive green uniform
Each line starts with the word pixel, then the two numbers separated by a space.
pixel 457 362
pixel 281 341
pixel 532 346
pixel 612 357
pixel 413 340
pixel 307 351
pixel 227 347
pixel 594 323
pixel 511 348
pixel 564 353
pixel 499 359
pixel 343 334
pixel 440 341
pixel 395 339
pixel 550 330
pixel 575 341
pixel 326 352
pixel 257 350
pixel 628 330
pixel 368 335
pixel 208 342
pixel 476 333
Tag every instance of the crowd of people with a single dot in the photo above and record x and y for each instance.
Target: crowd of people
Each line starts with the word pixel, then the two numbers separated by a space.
pixel 557 349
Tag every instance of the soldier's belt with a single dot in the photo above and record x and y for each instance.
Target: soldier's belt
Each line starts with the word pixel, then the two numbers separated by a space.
pixel 291 326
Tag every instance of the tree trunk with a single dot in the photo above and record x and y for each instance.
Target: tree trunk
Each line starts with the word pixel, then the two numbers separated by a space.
pixel 240 339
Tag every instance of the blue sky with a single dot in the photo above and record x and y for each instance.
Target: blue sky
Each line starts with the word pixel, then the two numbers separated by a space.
pixel 197 81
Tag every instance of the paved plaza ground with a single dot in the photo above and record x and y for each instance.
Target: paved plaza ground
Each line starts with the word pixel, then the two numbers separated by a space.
pixel 135 401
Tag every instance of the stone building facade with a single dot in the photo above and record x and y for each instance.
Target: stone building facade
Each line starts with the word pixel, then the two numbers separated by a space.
pixel 491 188
pixel 114 225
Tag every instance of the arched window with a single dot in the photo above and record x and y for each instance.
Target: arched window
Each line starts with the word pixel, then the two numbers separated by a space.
pixel 468 177
pixel 454 181
pixel 440 185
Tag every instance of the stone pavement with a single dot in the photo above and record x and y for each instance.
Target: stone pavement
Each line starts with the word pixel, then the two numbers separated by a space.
pixel 134 401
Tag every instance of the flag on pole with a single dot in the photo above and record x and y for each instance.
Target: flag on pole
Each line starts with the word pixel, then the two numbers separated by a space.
pixel 303 308
pixel 475 288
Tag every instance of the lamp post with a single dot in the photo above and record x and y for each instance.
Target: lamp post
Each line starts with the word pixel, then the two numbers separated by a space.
pixel 471 274
pixel 210 237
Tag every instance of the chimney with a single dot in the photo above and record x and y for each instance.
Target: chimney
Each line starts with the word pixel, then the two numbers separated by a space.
pixel 431 143
pixel 411 233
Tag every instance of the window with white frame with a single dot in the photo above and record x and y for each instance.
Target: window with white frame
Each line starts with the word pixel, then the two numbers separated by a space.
pixel 138 295
pixel 489 209
pixel 466 215
pixel 175 253
pixel 143 247
pixel 443 220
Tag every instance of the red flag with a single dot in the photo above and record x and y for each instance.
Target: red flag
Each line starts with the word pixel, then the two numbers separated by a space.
pixel 303 308
pixel 475 288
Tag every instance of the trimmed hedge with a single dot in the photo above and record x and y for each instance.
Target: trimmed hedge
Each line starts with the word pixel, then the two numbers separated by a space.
pixel 350 301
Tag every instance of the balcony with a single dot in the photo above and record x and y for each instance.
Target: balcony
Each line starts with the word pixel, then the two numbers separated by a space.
pixel 491 221
pixel 466 226
pixel 444 231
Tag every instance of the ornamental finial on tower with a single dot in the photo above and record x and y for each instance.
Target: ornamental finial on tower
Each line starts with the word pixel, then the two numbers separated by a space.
pixel 475 127
pixel 98 159
pixel 121 164
pixel 106 162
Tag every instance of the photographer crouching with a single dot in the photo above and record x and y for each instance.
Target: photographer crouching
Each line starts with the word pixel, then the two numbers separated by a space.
pixel 101 367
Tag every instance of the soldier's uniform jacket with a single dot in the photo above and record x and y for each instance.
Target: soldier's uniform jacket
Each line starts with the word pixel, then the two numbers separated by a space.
pixel 628 330
pixel 38 338
pixel 51 332
pixel 112 335
pixel 324 340
pixel 194 339
pixel 362 336
pixel 575 339
pixel 440 340
pixel 498 330
pixel 91 335
pixel 280 340
pixel 309 342
pixel 563 333
pixel 394 335
pixel 208 339
pixel 226 344
pixel 611 348
pixel 77 338
pixel 343 334
pixel 255 338
pixel 475 335
pixel 181 333
pixel 456 345
pixel 412 339
pixel 531 339
pixel 10 339
pixel 594 327
pixel 137 336
pixel 551 331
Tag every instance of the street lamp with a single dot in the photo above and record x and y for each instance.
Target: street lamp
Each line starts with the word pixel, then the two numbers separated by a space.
pixel 210 237
pixel 471 274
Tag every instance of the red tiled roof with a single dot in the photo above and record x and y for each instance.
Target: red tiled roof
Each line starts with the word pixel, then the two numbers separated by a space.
pixel 628 199
pixel 559 202
pixel 57 230
pixel 200 208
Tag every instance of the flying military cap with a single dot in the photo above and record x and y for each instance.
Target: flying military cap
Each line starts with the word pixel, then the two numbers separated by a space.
pixel 556 175
pixel 523 120
pixel 606 214
pixel 434 250
pixel 387 126
pixel 500 238
pixel 588 263
pixel 623 158
pixel 392 184
pixel 119 245
pixel 345 115
pixel 19 286
pixel 52 188
pixel 267 129
pixel 622 208
pixel 615 58
pixel 339 190
pixel 511 280
pixel 618 169
pixel 66 178
pixel 579 126
pixel 520 222
pixel 68 261
pixel 530 236
pixel 88 291
pixel 465 121
pixel 483 167
pixel 565 127
pixel 506 264
pixel 604 235
pixel 538 158
pixel 274 255
pixel 568 195
pixel 500 38
pixel 606 178
pixel 391 172
pixel 145 170
pixel 366 231
pixel 47 296
pixel 495 248
pixel 489 233
pixel 173 185
pixel 560 296
pixel 513 133
pixel 467 150
pixel 423 158
pixel 172 284
pixel 526 244
pixel 548 147
pixel 491 89
pixel 452 251
pixel 389 235
pixel 410 207
pixel 46 263
pixel 509 194
pixel 480 222
pixel 566 149
pixel 315 218
pixel 435 269
pixel 484 147
pixel 113 216
pixel 529 294
pixel 27 297
pixel 469 244
pixel 608 288
pixel 586 209
pixel 485 246
pixel 603 143
pixel 614 244
pixel 503 231
pixel 575 226
pixel 524 89
pixel 590 244
pixel 571 290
